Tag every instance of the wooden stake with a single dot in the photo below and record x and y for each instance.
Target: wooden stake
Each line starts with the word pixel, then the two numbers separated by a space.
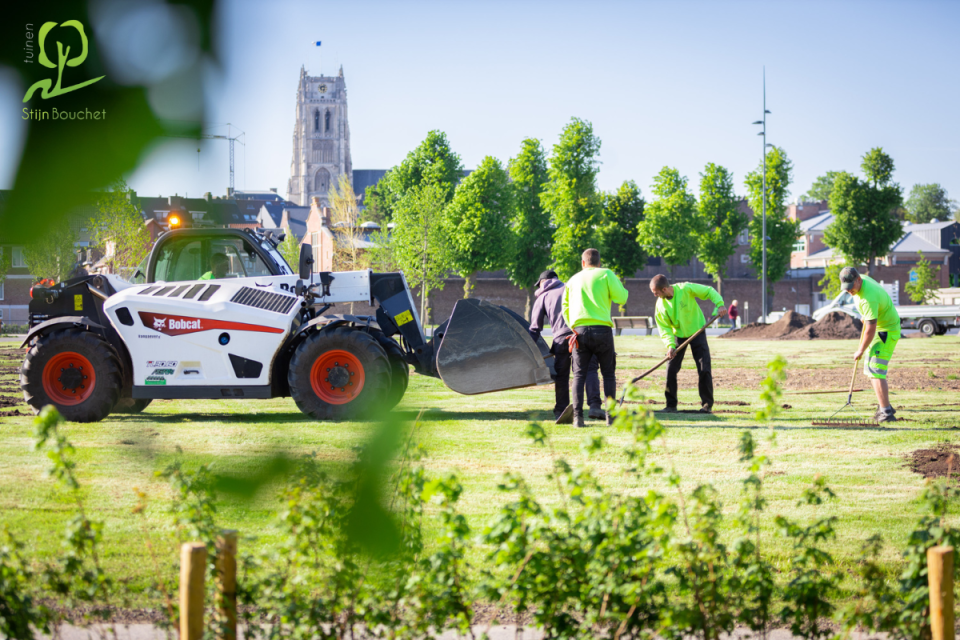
pixel 227 573
pixel 940 577
pixel 193 566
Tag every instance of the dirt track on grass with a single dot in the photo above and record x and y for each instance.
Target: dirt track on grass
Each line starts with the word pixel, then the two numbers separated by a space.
pixel 806 379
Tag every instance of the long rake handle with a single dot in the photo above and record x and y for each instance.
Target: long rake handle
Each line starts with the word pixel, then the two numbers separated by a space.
pixel 660 364
pixel 685 343
pixel 853 378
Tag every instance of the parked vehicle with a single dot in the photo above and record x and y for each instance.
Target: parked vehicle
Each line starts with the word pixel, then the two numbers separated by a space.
pixel 931 319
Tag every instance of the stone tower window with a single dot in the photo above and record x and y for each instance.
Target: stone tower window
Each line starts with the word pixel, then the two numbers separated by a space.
pixel 321 182
pixel 316 120
pixel 326 122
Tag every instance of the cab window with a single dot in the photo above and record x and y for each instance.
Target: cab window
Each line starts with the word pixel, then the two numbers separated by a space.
pixel 193 258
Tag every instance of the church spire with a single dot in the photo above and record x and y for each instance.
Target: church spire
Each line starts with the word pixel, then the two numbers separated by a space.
pixel 341 71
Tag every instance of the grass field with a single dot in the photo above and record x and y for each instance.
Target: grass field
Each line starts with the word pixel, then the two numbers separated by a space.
pixel 481 437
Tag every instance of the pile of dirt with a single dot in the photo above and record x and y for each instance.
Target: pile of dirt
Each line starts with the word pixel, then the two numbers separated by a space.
pixel 789 323
pixel 936 463
pixel 833 326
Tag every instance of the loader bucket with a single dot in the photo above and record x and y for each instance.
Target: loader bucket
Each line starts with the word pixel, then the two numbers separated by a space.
pixel 485 349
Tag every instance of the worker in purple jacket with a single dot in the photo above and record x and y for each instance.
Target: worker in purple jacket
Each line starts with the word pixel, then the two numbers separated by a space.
pixel 549 305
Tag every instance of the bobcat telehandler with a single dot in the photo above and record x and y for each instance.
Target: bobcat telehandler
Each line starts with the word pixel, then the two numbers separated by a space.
pixel 220 314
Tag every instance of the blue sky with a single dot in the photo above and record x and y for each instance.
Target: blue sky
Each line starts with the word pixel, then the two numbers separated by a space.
pixel 664 83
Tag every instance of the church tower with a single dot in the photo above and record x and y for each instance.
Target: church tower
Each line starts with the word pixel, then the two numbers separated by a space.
pixel 321 138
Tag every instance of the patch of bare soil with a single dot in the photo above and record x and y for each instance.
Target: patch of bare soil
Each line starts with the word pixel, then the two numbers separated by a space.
pixel 11 402
pixel 833 326
pixel 8 414
pixel 789 323
pixel 940 462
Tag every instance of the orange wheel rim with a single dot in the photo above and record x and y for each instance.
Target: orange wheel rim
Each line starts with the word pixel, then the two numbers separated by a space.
pixel 69 378
pixel 337 376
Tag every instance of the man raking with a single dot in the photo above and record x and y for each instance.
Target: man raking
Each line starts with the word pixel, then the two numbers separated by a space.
pixel 678 317
pixel 881 333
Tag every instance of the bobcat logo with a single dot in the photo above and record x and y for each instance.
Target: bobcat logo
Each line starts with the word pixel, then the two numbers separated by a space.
pixel 159 323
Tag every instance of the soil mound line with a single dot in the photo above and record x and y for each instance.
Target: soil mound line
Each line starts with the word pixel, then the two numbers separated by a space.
pixel 936 463
pixel 836 325
pixel 789 323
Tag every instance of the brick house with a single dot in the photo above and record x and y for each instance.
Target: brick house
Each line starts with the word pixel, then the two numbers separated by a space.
pixel 322 235
pixel 937 241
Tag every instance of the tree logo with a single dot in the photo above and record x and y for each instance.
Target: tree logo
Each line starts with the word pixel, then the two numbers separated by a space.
pixel 63 59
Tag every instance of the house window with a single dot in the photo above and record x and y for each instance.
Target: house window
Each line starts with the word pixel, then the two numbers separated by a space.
pixel 326 122
pixel 16 259
pixel 800 244
pixel 743 238
pixel 1 294
pixel 316 121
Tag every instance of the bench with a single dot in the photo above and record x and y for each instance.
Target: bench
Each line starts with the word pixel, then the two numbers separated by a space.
pixel 632 322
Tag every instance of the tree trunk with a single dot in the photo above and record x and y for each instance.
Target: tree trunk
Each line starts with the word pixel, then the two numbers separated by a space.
pixel 468 283
pixel 872 259
pixel 719 280
pixel 531 294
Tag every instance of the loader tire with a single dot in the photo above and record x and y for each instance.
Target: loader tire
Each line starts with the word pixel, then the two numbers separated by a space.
pixel 399 370
pixel 74 370
pixel 340 374
pixel 132 405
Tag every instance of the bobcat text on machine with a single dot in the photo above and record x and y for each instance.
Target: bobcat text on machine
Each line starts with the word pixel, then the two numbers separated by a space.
pixel 220 314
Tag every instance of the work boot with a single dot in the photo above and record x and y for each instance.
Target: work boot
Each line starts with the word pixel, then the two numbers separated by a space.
pixel 886 416
pixel 596 413
pixel 668 410
pixel 578 422
pixel 706 409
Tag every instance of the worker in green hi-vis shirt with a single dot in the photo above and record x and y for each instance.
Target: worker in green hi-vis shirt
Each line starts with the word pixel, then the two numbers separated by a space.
pixel 881 332
pixel 678 317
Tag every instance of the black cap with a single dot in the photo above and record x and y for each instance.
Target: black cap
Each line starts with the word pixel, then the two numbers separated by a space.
pixel 546 275
pixel 848 276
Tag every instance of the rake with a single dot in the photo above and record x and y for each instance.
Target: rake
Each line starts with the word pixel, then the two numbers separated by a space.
pixel 832 421
pixel 660 364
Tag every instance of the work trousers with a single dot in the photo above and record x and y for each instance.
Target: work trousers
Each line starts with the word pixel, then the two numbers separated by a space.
pixel 701 356
pixel 593 341
pixel 561 363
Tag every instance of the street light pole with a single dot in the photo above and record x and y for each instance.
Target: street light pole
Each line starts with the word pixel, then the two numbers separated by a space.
pixel 763 200
pixel 763 293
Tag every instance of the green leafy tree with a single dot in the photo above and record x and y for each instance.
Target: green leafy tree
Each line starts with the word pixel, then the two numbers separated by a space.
pixel 571 195
pixel 821 188
pixel 671 225
pixel 530 226
pixel 478 222
pixel 719 207
pixel 928 202
pixel 432 162
pixel 54 255
pixel 830 282
pixel 925 287
pixel 419 243
pixel 617 234
pixel 865 222
pixel 782 232
pixel 118 228
pixel 878 167
pixel 290 249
